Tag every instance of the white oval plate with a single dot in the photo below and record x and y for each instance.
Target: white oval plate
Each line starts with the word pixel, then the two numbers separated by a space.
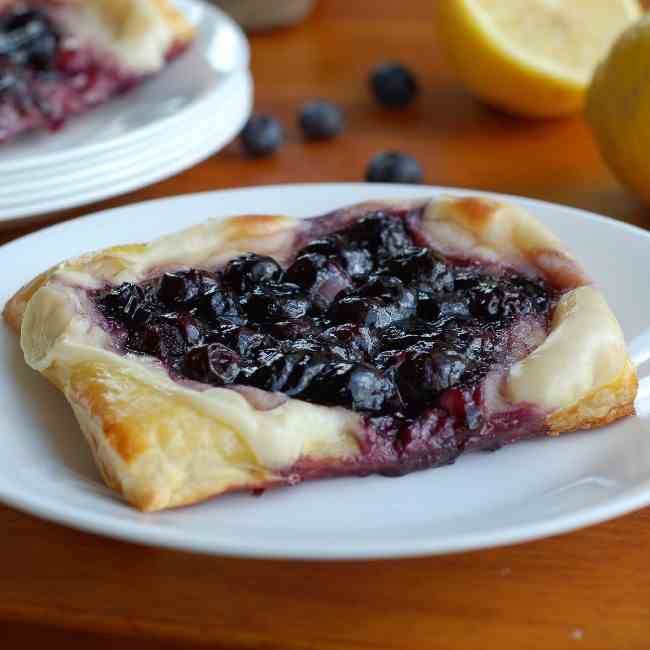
pixel 159 159
pixel 526 491
pixel 219 50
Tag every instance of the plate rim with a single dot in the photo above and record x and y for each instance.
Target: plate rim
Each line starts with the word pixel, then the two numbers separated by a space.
pixel 97 190
pixel 50 509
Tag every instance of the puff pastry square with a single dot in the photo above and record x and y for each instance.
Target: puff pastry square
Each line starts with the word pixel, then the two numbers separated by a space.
pixel 264 350
pixel 59 58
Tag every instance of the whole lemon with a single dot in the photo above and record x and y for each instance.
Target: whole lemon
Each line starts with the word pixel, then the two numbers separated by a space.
pixel 618 107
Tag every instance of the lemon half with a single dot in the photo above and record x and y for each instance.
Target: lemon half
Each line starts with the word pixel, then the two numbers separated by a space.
pixel 532 57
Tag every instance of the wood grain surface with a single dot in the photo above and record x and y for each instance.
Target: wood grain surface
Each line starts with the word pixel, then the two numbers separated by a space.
pixel 588 589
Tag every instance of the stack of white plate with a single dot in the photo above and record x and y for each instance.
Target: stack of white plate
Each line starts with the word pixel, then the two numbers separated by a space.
pixel 193 109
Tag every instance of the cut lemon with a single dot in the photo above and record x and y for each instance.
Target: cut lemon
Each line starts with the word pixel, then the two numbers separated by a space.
pixel 618 107
pixel 532 57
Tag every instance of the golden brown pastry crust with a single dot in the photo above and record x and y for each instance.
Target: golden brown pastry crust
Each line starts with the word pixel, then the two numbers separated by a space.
pixel 161 444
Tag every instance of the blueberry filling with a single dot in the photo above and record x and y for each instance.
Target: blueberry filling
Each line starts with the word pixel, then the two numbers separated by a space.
pixel 364 317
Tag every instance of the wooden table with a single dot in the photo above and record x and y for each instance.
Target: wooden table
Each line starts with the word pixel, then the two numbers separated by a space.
pixel 588 589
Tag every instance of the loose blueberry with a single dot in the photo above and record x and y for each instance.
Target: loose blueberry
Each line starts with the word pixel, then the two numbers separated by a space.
pixel 393 167
pixel 262 136
pixel 320 120
pixel 393 85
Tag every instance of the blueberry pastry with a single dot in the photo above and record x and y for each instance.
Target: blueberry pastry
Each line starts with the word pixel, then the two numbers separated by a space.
pixel 385 337
pixel 59 58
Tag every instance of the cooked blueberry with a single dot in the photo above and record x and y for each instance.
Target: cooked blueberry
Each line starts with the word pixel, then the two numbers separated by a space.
pixel 8 82
pixel 188 326
pixel 423 269
pixel 383 234
pixel 247 340
pixel 276 302
pixel 290 374
pixel 393 85
pixel 262 136
pixel 321 277
pixel 320 120
pixel 291 330
pixel 178 288
pixel 389 288
pixel 28 37
pixel 328 246
pixel 219 303
pixel 349 342
pixel 492 301
pixel 166 336
pixel 212 364
pixel 428 308
pixel 358 262
pixel 373 312
pixel 422 375
pixel 361 386
pixel 126 304
pixel 455 306
pixel 248 271
pixel 394 167
pixel 467 277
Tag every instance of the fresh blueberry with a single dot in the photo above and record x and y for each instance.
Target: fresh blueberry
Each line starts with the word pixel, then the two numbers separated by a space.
pixel 320 120
pixel 393 167
pixel 262 136
pixel 393 85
